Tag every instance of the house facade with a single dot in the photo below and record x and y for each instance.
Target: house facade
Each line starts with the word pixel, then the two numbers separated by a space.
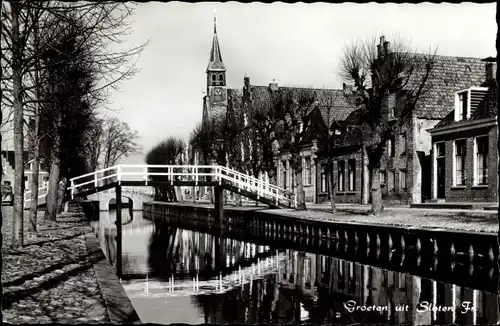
pixel 8 160
pixel 406 165
pixel 464 145
pixel 406 168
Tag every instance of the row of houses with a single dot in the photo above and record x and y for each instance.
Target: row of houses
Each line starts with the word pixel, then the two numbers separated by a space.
pixel 447 150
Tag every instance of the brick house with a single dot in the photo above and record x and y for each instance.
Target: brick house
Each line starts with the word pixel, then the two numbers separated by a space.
pixel 465 156
pixel 406 165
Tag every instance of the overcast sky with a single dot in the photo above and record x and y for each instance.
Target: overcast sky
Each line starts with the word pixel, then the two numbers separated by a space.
pixel 295 44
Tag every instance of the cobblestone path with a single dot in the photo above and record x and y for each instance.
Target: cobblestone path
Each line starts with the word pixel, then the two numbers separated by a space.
pixel 50 279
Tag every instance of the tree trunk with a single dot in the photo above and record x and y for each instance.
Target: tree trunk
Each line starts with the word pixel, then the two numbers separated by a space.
pixel 35 174
pixel 377 205
pixel 51 203
pixel 18 219
pixel 61 191
pixel 301 196
pixel 193 190
pixel 331 187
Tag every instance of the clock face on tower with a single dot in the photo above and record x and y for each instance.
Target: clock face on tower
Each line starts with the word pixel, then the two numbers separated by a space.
pixel 218 94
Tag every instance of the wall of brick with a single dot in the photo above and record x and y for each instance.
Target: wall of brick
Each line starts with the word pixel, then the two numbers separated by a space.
pixel 469 192
pixel 345 196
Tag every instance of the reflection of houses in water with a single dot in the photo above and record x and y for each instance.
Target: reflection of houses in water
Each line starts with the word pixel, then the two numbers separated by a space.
pixel 188 251
pixel 314 288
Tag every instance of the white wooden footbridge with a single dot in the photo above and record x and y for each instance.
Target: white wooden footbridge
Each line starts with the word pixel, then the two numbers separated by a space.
pixel 181 175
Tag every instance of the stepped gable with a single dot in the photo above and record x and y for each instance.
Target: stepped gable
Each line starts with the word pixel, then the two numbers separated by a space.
pixel 449 75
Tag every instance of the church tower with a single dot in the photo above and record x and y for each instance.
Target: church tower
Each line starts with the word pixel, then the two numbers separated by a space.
pixel 215 100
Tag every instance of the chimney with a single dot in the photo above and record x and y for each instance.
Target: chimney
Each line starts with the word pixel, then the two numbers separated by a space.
pixel 491 70
pixel 246 81
pixel 386 47
pixel 380 45
pixel 273 86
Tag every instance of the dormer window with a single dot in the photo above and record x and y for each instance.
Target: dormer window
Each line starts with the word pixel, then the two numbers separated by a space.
pixel 467 101
pixel 463 102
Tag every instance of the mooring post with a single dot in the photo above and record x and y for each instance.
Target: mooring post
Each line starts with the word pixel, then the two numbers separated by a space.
pixel 118 223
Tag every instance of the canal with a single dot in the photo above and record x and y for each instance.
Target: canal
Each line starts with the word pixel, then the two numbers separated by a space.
pixel 175 275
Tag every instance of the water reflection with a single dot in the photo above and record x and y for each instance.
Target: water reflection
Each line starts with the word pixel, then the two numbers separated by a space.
pixel 240 282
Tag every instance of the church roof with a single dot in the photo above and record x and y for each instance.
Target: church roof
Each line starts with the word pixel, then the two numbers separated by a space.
pixel 215 62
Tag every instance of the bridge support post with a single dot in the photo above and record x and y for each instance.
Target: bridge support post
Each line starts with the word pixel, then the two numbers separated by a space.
pixel 219 206
pixel 118 223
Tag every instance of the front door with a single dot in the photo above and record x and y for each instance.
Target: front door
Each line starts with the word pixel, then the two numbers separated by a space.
pixel 440 177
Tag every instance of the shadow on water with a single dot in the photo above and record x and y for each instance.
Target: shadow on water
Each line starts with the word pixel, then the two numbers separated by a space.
pixel 296 284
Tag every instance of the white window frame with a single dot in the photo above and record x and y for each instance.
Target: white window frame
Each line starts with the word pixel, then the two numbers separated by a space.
pixel 454 158
pixel 474 163
pixel 307 171
pixel 434 168
pixel 400 189
pixel 457 100
pixel 351 186
pixel 323 186
pixel 341 184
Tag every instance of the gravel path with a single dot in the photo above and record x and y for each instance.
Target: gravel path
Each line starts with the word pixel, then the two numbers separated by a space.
pixel 50 279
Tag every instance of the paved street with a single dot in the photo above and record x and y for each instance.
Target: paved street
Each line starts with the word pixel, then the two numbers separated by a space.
pixel 50 279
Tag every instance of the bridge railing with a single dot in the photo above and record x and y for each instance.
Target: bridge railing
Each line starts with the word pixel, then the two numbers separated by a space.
pixel 260 186
pixel 172 173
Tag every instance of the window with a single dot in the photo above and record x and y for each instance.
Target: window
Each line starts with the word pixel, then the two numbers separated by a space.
pixel 482 161
pixel 392 181
pixel 308 177
pixel 340 175
pixel 391 147
pixel 462 105
pixel 460 152
pixel 283 175
pixel 403 143
pixel 439 149
pixel 221 78
pixel 382 177
pixel 323 178
pixel 402 180
pixel 351 174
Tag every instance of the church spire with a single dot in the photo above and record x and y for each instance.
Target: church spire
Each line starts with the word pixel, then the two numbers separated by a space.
pixel 215 63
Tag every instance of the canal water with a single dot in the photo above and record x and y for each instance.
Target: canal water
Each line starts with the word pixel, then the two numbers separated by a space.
pixel 174 275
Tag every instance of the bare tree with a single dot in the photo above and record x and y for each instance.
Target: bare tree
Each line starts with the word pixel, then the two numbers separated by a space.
pixel 168 151
pixel 93 143
pixel 118 141
pixel 293 109
pixel 99 25
pixel 328 105
pixel 380 73
pixel 260 138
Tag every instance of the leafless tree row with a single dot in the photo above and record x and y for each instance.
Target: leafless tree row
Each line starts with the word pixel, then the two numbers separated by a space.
pixel 59 62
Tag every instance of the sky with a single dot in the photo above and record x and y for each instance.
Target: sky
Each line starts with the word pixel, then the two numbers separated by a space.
pixel 294 44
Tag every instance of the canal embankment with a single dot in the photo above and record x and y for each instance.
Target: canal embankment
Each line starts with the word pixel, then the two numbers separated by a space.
pixel 463 235
pixel 60 275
